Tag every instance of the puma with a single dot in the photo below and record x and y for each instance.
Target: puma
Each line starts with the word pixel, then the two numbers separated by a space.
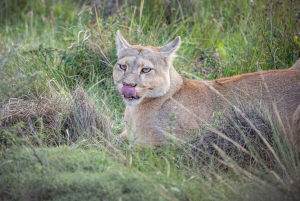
pixel 161 104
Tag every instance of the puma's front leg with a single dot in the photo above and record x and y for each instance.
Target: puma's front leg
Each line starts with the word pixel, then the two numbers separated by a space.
pixel 128 126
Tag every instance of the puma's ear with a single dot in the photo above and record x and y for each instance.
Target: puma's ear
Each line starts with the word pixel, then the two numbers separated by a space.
pixel 121 43
pixel 170 48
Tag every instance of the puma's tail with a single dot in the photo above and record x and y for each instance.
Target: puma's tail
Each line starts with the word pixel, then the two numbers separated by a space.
pixel 296 65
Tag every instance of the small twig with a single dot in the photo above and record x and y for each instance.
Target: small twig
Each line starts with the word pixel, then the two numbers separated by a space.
pixel 86 33
pixel 79 17
pixel 38 140
pixel 32 147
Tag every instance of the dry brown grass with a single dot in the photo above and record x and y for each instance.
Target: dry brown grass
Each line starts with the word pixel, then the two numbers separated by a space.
pixel 65 117
pixel 18 110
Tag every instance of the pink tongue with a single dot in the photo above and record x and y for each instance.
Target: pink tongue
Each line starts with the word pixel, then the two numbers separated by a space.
pixel 128 91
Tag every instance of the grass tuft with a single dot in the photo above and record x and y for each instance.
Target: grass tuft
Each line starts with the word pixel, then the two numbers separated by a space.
pixel 235 127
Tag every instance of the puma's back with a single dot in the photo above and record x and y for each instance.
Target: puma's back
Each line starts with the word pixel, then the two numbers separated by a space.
pixel 162 104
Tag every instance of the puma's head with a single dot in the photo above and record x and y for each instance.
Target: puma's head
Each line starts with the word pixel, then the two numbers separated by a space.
pixel 143 71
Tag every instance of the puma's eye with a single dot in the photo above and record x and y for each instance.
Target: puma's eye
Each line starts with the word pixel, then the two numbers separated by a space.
pixel 122 67
pixel 146 70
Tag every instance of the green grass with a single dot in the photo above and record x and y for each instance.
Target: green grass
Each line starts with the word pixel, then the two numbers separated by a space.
pixel 72 174
pixel 56 70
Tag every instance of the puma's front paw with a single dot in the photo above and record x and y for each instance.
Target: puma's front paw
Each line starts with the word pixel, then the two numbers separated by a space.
pixel 123 136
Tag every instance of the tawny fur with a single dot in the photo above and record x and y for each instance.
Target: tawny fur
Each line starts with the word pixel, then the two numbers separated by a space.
pixel 296 66
pixel 296 115
pixel 171 106
pixel 296 121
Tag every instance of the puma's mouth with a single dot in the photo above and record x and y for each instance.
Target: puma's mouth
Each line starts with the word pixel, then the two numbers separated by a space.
pixel 129 93
pixel 131 97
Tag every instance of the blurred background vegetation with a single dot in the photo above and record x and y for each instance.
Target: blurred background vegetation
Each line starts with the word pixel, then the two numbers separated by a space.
pixel 60 112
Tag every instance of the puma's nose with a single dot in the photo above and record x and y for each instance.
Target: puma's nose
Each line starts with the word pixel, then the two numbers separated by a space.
pixel 129 84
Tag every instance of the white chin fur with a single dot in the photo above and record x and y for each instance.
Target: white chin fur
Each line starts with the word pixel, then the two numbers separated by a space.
pixel 132 102
pixel 156 94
